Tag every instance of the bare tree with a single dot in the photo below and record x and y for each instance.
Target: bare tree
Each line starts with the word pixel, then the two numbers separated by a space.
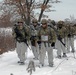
pixel 71 19
pixel 25 8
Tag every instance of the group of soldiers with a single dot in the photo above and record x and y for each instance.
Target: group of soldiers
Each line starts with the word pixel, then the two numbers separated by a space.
pixel 42 38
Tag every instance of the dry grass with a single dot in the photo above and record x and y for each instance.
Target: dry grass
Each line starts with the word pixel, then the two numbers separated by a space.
pixel 7 43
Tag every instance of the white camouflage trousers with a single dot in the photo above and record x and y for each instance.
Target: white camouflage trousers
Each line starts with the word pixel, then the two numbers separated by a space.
pixel 70 43
pixel 42 53
pixel 60 47
pixel 35 50
pixel 21 49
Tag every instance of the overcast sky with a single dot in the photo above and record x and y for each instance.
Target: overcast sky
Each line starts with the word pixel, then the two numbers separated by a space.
pixel 63 10
pixel 0 0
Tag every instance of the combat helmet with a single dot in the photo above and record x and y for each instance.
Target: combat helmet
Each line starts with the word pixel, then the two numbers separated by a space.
pixel 53 22
pixel 60 22
pixel 34 21
pixel 44 21
pixel 19 21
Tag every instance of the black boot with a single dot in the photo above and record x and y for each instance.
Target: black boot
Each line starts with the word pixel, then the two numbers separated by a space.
pixel 64 55
pixel 59 56
pixel 73 51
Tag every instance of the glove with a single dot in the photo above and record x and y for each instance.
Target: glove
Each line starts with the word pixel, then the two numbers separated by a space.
pixel 53 44
pixel 32 37
pixel 25 40
pixel 59 38
pixel 39 42
pixel 18 40
pixel 73 51
pixel 69 35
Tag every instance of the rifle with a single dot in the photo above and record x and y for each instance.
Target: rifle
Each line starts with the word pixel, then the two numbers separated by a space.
pixel 18 34
pixel 57 34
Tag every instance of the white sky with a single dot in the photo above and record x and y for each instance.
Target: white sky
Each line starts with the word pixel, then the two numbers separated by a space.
pixel 64 10
pixel 0 0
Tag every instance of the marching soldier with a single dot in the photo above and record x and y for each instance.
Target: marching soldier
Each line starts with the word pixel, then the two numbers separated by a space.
pixel 53 25
pixel 74 26
pixel 46 41
pixel 70 34
pixel 34 30
pixel 60 45
pixel 21 35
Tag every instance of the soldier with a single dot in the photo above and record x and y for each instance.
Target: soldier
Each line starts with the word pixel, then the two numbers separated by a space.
pixel 52 24
pixel 70 35
pixel 33 29
pixel 47 39
pixel 21 35
pixel 60 45
pixel 67 40
pixel 74 30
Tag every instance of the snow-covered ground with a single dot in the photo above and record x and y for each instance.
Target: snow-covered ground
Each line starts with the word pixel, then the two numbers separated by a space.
pixel 6 31
pixel 64 66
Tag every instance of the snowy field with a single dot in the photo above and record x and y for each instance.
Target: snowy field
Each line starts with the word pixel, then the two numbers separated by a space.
pixel 64 66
